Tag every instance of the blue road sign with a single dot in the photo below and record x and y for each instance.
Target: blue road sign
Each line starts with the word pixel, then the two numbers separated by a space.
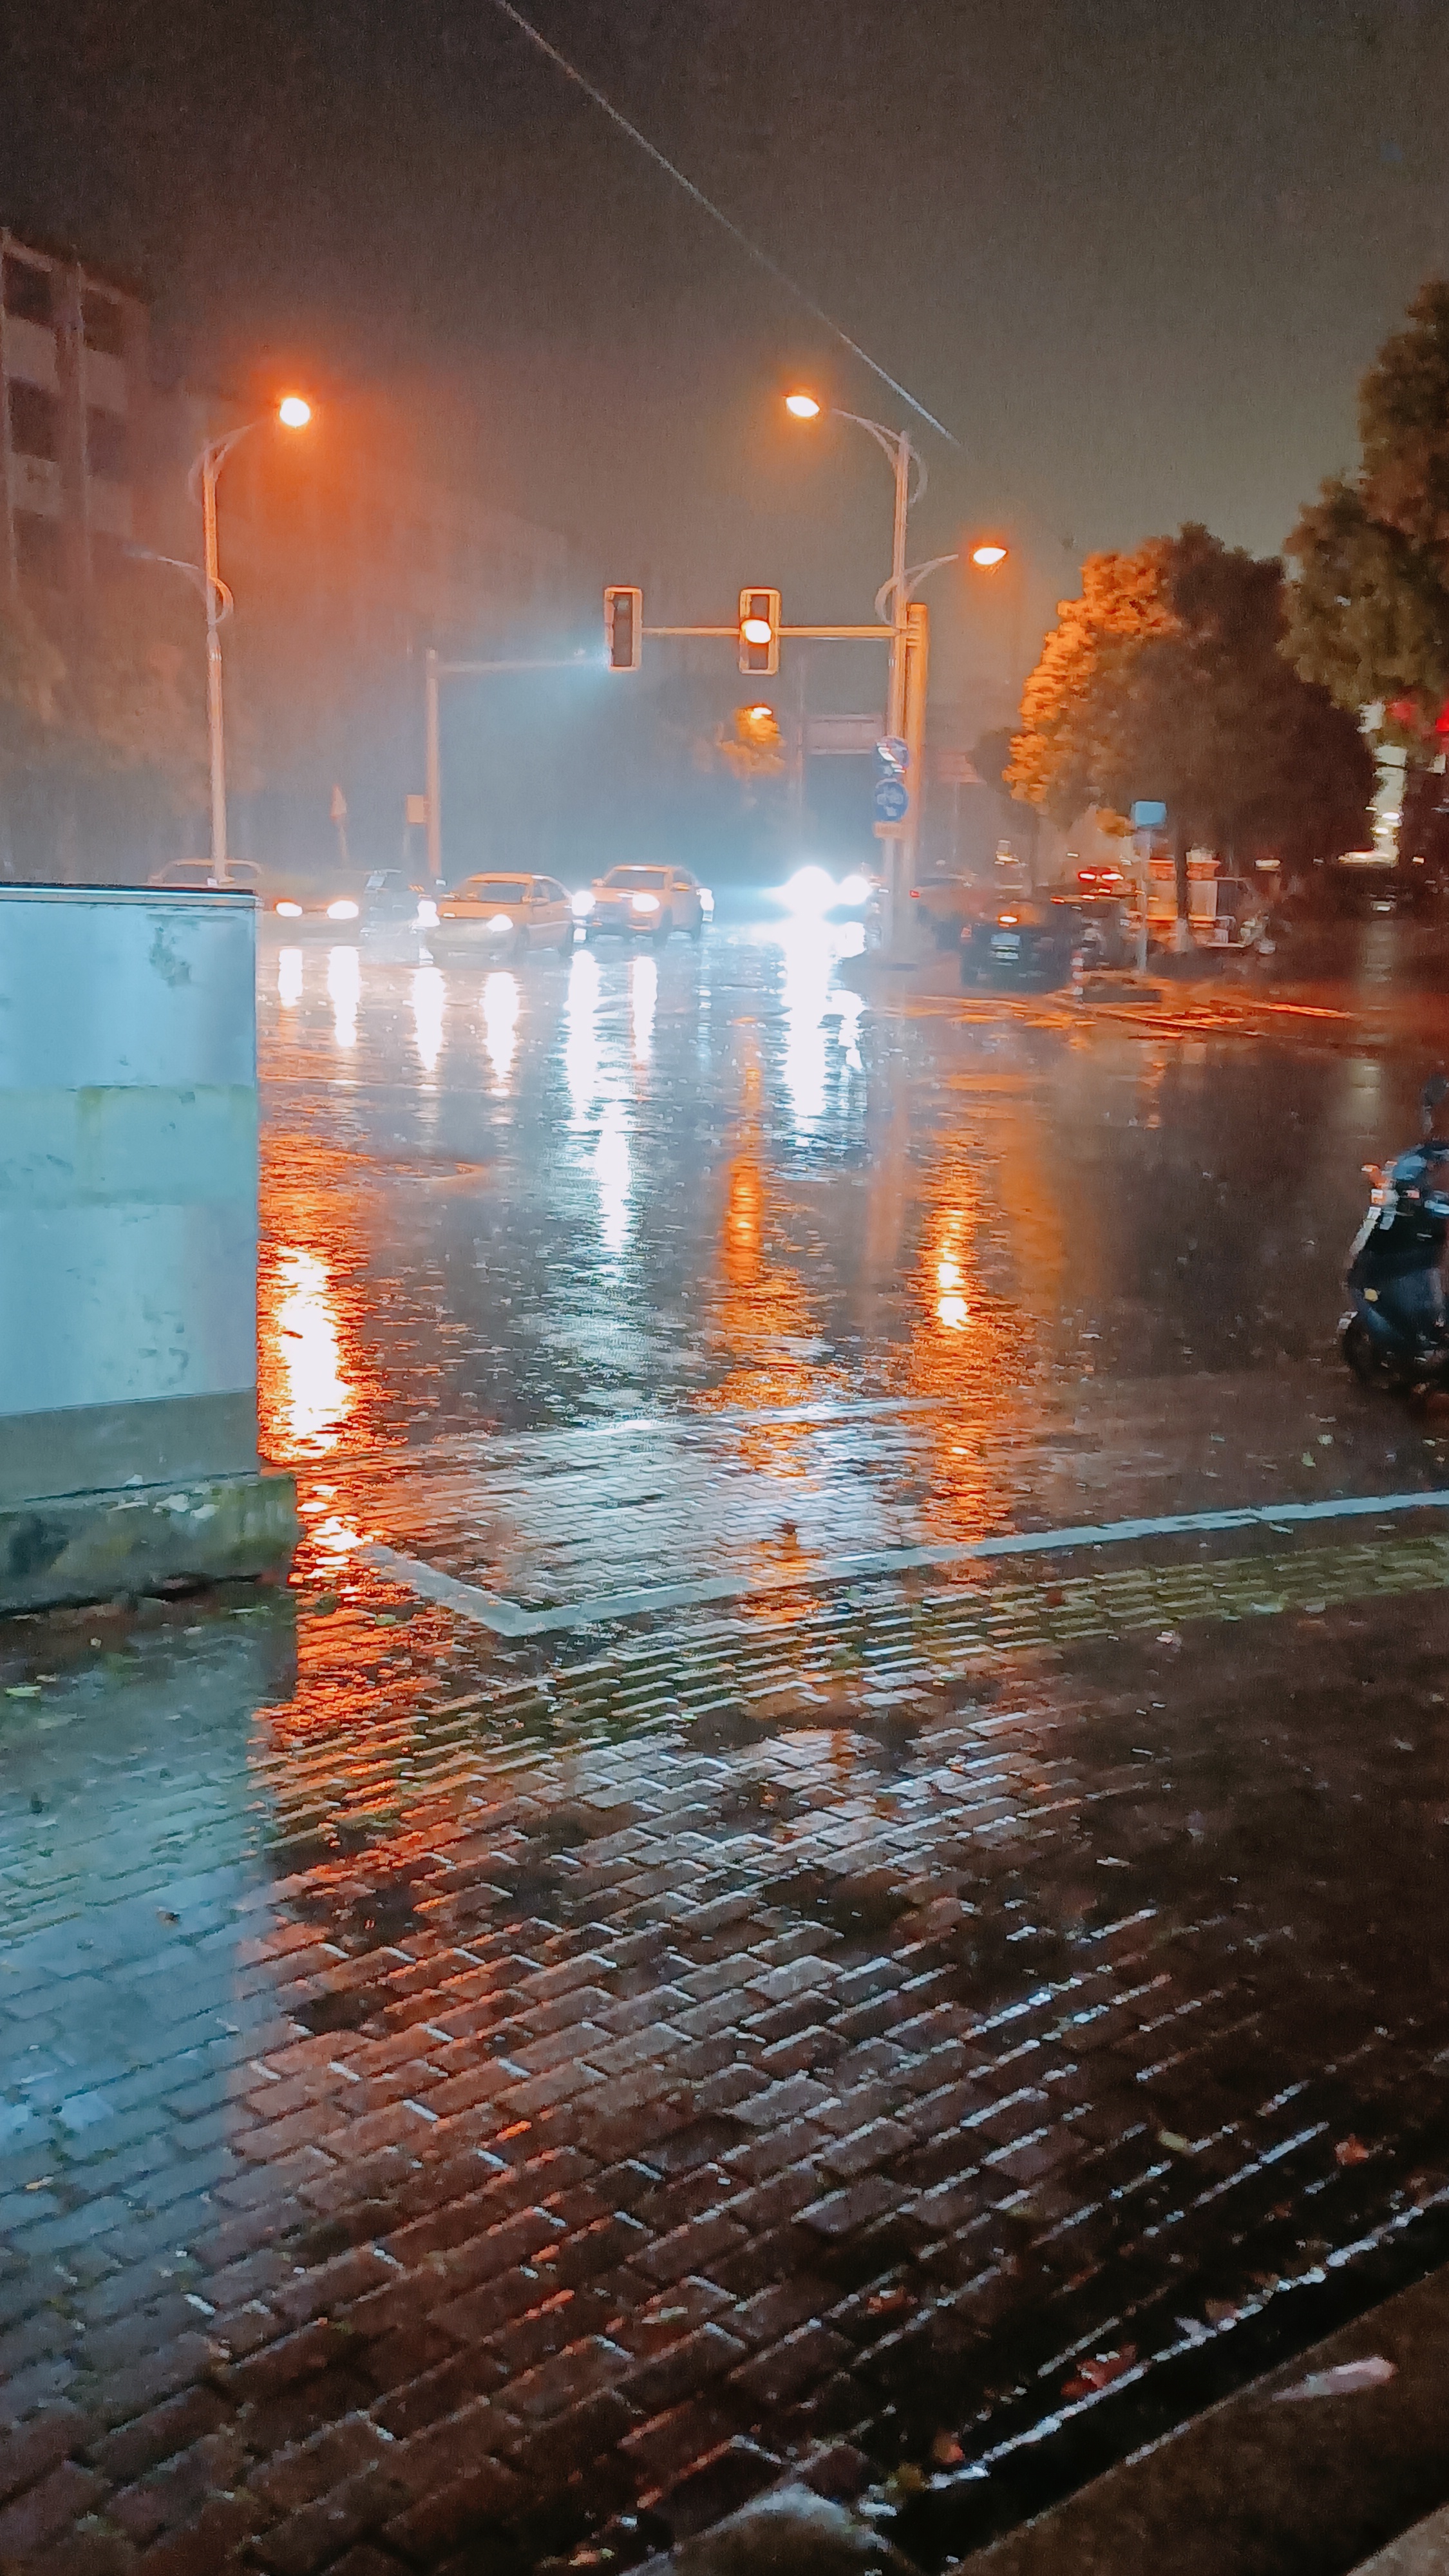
pixel 891 801
pixel 1148 816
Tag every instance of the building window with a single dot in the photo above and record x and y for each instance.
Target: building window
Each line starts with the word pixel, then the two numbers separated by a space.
pixel 106 445
pixel 27 291
pixel 38 549
pixel 34 427
pixel 102 324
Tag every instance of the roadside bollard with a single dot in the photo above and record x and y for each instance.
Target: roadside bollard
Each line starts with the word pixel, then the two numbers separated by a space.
pixel 1079 987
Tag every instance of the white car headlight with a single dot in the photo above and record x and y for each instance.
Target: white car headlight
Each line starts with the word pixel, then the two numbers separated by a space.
pixel 426 915
pixel 582 904
pixel 706 903
pixel 500 921
pixel 644 903
pixel 342 910
pixel 289 911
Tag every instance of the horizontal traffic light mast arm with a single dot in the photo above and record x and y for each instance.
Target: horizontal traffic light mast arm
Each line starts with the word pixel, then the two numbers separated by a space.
pixel 479 670
pixel 848 634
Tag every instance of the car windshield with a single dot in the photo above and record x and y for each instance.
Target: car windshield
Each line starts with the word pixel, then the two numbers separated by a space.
pixel 643 880
pixel 502 889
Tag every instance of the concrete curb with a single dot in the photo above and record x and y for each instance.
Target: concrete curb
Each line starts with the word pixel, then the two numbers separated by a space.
pixel 88 1547
pixel 1254 2488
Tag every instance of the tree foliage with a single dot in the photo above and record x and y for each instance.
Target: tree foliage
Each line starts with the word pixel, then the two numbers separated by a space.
pixel 1369 610
pixel 1167 680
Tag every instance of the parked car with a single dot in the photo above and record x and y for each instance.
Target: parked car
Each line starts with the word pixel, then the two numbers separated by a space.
pixel 196 876
pixel 644 903
pixel 1102 926
pixel 504 916
pixel 1028 940
pixel 945 904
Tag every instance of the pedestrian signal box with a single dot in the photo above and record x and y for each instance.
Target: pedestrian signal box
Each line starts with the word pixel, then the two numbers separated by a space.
pixel 624 627
pixel 760 632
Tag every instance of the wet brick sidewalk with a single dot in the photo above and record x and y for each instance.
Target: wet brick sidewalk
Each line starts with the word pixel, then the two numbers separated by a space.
pixel 469 2109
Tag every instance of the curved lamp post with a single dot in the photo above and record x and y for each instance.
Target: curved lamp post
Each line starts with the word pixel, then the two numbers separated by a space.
pixel 293 412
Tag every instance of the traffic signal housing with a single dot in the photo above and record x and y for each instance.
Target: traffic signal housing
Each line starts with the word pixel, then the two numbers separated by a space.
pixel 623 626
pixel 760 633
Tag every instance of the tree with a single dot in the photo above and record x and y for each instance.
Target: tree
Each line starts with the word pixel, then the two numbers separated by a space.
pixel 1167 679
pixel 1369 610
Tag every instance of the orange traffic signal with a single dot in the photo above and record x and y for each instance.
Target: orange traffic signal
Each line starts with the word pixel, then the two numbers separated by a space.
pixel 760 632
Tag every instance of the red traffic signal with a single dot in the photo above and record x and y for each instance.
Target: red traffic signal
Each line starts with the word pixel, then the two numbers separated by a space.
pixel 623 627
pixel 760 632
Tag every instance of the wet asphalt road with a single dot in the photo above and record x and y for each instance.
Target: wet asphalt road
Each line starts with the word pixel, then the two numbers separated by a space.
pixel 507 2092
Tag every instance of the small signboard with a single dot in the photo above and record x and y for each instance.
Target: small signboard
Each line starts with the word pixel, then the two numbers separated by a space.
pixel 892 804
pixel 1148 815
pixel 415 809
pixel 841 734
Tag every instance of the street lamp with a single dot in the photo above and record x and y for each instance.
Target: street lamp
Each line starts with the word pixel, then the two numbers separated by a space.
pixel 989 555
pixel 293 412
pixel 896 447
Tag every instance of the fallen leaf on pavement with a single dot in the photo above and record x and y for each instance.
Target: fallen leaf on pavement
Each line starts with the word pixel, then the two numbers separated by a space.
pixel 1170 2139
pixel 946 2451
pixel 1352 2151
pixel 886 2302
pixel 1100 2371
pixel 1219 2312
pixel 1344 2381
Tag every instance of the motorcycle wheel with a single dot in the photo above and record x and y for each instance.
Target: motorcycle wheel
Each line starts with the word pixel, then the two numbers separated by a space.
pixel 1371 1366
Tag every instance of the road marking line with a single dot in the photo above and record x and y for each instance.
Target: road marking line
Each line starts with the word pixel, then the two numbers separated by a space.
pixel 509 1618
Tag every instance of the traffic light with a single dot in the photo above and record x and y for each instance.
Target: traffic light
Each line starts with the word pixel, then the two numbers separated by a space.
pixel 760 633
pixel 758 727
pixel 623 627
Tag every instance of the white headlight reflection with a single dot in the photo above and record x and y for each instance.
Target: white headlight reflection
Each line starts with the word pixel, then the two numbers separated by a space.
pixel 430 1000
pixel 500 1022
pixel 289 977
pixel 344 983
pixel 426 916
pixel 342 910
pixel 581 1043
pixel 613 1173
pixel 643 995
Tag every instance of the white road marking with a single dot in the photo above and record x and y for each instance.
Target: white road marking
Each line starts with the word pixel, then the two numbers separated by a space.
pixel 510 1619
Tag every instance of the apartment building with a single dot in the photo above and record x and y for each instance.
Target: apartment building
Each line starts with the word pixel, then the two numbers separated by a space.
pixel 73 416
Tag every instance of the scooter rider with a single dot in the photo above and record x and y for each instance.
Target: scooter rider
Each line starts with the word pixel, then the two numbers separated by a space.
pixel 1408 1253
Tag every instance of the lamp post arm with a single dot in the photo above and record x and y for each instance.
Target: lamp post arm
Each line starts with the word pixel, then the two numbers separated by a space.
pixel 917 573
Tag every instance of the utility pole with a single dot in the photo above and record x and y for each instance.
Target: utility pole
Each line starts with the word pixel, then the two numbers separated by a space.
pixel 432 776
pixel 915 666
pixel 210 461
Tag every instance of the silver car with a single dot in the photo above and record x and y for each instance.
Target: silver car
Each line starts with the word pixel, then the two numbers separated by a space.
pixel 647 903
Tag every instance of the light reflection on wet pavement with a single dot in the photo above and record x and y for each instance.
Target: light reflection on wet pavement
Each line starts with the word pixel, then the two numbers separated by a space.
pixel 472 2101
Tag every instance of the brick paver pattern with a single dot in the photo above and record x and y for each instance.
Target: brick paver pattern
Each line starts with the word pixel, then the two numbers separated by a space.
pixel 482 2098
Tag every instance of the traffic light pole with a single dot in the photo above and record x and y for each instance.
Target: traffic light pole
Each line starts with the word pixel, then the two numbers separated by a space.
pixel 434 670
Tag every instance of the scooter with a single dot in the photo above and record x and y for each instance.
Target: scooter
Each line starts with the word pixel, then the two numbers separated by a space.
pixel 1394 1334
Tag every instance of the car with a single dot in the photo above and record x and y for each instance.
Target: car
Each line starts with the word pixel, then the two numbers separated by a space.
pixel 297 904
pixel 947 903
pixel 1026 939
pixel 505 916
pixel 197 876
pixel 1100 925
pixel 644 903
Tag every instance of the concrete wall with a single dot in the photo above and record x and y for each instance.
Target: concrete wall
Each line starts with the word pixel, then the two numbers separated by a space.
pixel 128 1183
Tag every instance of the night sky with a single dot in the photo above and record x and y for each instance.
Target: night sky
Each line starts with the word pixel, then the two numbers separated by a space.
pixel 1135 253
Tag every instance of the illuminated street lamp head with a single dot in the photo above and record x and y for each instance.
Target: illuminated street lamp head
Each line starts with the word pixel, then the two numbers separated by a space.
pixel 988 555
pixel 803 406
pixel 761 715
pixel 294 411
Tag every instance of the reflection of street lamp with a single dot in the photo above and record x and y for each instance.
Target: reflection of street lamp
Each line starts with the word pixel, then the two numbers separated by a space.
pixel 293 413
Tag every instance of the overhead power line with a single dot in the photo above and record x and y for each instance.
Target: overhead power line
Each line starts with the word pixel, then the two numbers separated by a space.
pixel 751 248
